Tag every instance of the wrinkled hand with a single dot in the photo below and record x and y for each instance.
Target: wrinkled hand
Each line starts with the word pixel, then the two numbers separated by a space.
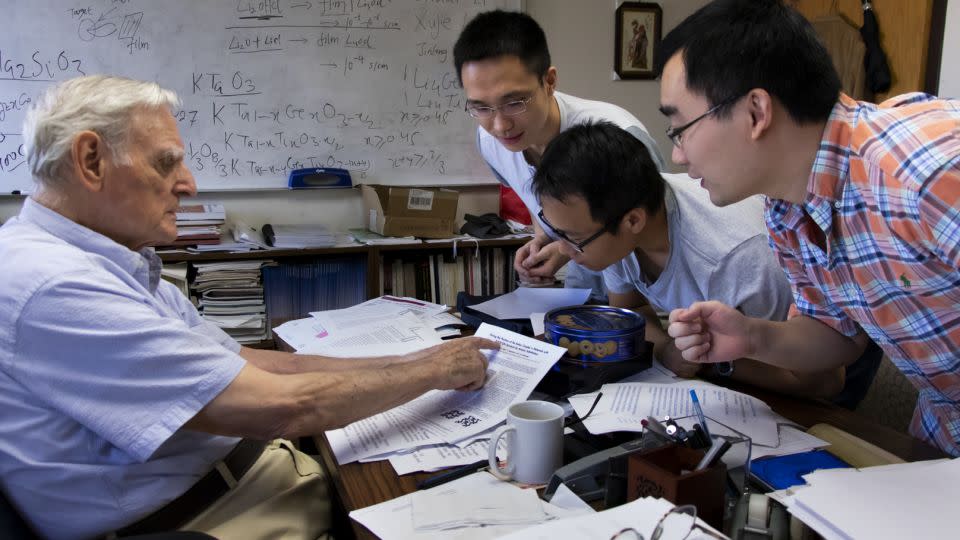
pixel 538 260
pixel 710 332
pixel 459 364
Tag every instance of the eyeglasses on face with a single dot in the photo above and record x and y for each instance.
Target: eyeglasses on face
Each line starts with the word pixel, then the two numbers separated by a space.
pixel 579 246
pixel 676 133
pixel 510 108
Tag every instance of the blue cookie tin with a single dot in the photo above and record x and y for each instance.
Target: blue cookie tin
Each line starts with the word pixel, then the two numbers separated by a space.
pixel 599 334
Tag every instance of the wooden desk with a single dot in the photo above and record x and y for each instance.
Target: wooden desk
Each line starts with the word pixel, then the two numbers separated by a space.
pixel 363 484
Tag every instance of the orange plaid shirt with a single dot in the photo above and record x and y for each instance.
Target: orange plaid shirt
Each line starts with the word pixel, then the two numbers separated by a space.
pixel 884 195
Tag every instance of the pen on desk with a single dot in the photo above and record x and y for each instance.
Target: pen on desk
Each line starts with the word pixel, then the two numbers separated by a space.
pixel 452 474
pixel 696 407
pixel 713 455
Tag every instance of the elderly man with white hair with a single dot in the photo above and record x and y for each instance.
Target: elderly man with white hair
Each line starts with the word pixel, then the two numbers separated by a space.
pixel 123 411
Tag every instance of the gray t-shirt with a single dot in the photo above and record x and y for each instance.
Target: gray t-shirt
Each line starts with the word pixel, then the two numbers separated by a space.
pixel 715 254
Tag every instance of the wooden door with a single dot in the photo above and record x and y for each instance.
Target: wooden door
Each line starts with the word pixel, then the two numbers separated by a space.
pixel 904 34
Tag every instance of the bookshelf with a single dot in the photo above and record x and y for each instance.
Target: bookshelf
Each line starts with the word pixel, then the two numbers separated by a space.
pixel 369 260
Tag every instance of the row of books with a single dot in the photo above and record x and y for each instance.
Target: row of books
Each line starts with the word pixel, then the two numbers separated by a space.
pixel 200 224
pixel 439 277
pixel 295 289
pixel 303 236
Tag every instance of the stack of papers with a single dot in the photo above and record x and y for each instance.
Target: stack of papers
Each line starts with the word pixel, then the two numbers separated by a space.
pixel 479 506
pixel 452 416
pixel 176 273
pixel 380 327
pixel 230 295
pixel 641 515
pixel 244 238
pixel 199 224
pixel 905 500
pixel 370 238
pixel 201 214
pixel 524 301
pixel 303 236
pixel 451 510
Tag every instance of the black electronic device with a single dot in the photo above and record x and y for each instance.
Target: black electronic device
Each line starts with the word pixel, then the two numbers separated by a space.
pixel 601 474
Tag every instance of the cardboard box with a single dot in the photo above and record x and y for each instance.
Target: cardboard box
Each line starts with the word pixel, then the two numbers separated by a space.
pixel 400 211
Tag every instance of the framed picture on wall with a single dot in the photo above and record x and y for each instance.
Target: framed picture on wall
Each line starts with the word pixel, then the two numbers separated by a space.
pixel 637 38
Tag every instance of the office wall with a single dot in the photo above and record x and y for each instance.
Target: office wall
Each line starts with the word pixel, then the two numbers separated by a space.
pixel 580 34
pixel 950 63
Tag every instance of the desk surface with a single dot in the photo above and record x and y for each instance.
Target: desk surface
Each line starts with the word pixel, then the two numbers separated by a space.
pixel 363 484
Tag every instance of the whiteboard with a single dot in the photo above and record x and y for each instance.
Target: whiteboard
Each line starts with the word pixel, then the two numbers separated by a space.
pixel 267 85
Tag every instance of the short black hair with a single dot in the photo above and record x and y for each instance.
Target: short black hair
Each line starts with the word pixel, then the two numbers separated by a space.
pixel 607 166
pixel 730 47
pixel 497 33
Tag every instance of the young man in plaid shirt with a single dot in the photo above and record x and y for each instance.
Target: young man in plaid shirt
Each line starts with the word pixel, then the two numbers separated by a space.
pixel 863 204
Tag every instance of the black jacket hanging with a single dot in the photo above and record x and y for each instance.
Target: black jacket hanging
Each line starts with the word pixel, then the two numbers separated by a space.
pixel 874 61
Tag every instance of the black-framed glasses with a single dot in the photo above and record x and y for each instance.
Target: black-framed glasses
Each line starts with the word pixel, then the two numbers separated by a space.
pixel 676 524
pixel 576 245
pixel 510 108
pixel 676 133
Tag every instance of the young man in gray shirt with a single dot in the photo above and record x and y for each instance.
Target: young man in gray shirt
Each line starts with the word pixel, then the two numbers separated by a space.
pixel 662 244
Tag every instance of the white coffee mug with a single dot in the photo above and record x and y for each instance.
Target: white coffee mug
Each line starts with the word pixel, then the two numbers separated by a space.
pixel 534 442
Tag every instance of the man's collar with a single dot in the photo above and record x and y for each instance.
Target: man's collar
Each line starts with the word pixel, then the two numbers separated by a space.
pixel 831 166
pixel 144 265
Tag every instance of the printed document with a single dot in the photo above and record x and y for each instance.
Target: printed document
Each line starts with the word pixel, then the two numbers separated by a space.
pixel 439 456
pixel 904 500
pixel 450 416
pixel 624 405
pixel 394 519
pixel 641 515
pixel 520 303
pixel 398 335
pixel 377 310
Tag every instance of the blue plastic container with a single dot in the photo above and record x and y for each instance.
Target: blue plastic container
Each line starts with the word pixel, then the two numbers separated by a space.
pixel 601 334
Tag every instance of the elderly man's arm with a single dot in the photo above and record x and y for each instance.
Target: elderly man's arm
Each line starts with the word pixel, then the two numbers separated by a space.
pixel 284 363
pixel 261 404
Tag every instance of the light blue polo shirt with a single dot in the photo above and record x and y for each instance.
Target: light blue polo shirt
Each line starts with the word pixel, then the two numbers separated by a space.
pixel 101 364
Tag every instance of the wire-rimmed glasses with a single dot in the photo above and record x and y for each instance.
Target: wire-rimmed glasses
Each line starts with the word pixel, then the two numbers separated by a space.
pixel 579 246
pixel 510 108
pixel 676 524
pixel 675 134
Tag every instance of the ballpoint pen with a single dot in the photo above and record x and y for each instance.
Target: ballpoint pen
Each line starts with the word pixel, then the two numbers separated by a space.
pixel 452 474
pixel 696 407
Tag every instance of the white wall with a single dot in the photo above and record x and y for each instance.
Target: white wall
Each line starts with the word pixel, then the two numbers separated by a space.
pixel 580 34
pixel 950 63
